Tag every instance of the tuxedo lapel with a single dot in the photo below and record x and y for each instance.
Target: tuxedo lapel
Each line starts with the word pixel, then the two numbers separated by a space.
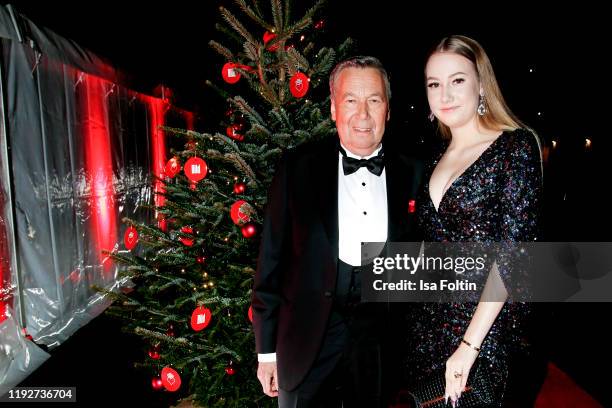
pixel 396 195
pixel 327 183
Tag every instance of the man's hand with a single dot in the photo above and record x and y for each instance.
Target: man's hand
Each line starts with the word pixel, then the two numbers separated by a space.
pixel 266 373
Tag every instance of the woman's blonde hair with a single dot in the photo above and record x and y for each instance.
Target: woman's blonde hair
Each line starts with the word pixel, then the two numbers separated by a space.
pixel 498 115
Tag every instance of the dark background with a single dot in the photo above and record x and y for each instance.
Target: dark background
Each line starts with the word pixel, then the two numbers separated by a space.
pixel 566 47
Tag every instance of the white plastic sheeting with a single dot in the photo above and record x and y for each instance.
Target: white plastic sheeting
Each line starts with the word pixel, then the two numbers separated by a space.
pixel 75 158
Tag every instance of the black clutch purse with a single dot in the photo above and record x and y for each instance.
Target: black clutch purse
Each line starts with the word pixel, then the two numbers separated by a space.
pixel 477 393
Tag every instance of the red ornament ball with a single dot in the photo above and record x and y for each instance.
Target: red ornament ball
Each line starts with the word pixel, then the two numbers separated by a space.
pixel 267 37
pixel 200 318
pixel 195 169
pixel 173 167
pixel 130 238
pixel 186 240
pixel 230 370
pixel 412 206
pixel 229 73
pixel 157 384
pixel 201 259
pixel 241 212
pixel 299 84
pixel 233 131
pixel 154 354
pixel 250 314
pixel 248 230
pixel 170 379
pixel 239 188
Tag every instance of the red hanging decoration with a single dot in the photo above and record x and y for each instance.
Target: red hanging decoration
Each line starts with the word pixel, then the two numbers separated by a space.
pixel 130 238
pixel 229 73
pixel 411 206
pixel 248 230
pixel 195 169
pixel 173 167
pixel 241 212
pixel 200 318
pixel 229 370
pixel 233 132
pixel 185 240
pixel 154 354
pixel 239 188
pixel 267 37
pixel 299 84
pixel 170 379
pixel 201 259
pixel 157 383
pixel 250 314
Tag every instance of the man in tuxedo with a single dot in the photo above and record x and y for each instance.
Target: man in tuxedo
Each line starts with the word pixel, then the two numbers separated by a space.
pixel 317 344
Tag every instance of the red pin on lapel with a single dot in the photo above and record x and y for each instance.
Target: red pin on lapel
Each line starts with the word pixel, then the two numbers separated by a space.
pixel 411 206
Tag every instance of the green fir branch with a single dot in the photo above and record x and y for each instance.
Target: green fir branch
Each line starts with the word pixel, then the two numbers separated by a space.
pixel 236 25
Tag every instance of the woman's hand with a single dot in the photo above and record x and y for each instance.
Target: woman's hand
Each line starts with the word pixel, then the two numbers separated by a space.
pixel 457 370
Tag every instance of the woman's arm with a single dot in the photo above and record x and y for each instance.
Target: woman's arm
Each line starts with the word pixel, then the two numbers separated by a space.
pixel 492 301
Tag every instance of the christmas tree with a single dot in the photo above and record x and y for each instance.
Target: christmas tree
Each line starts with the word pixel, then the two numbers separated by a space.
pixel 192 268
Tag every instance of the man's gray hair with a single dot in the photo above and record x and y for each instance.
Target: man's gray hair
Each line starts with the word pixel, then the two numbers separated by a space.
pixel 359 62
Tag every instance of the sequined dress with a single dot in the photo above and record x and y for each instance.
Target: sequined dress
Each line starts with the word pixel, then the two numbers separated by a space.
pixel 497 198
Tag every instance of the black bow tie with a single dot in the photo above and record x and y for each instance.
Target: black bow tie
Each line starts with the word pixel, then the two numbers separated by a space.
pixel 374 164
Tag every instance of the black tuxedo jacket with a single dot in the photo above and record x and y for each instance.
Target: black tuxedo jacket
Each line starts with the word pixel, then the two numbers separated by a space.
pixel 297 266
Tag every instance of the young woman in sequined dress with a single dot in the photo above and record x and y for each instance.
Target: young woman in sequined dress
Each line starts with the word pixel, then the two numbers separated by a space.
pixel 484 185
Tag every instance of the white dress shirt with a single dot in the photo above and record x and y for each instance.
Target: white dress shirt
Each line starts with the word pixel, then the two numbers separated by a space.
pixel 362 209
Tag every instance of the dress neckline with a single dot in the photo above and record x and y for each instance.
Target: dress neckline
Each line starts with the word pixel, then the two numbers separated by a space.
pixel 467 169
